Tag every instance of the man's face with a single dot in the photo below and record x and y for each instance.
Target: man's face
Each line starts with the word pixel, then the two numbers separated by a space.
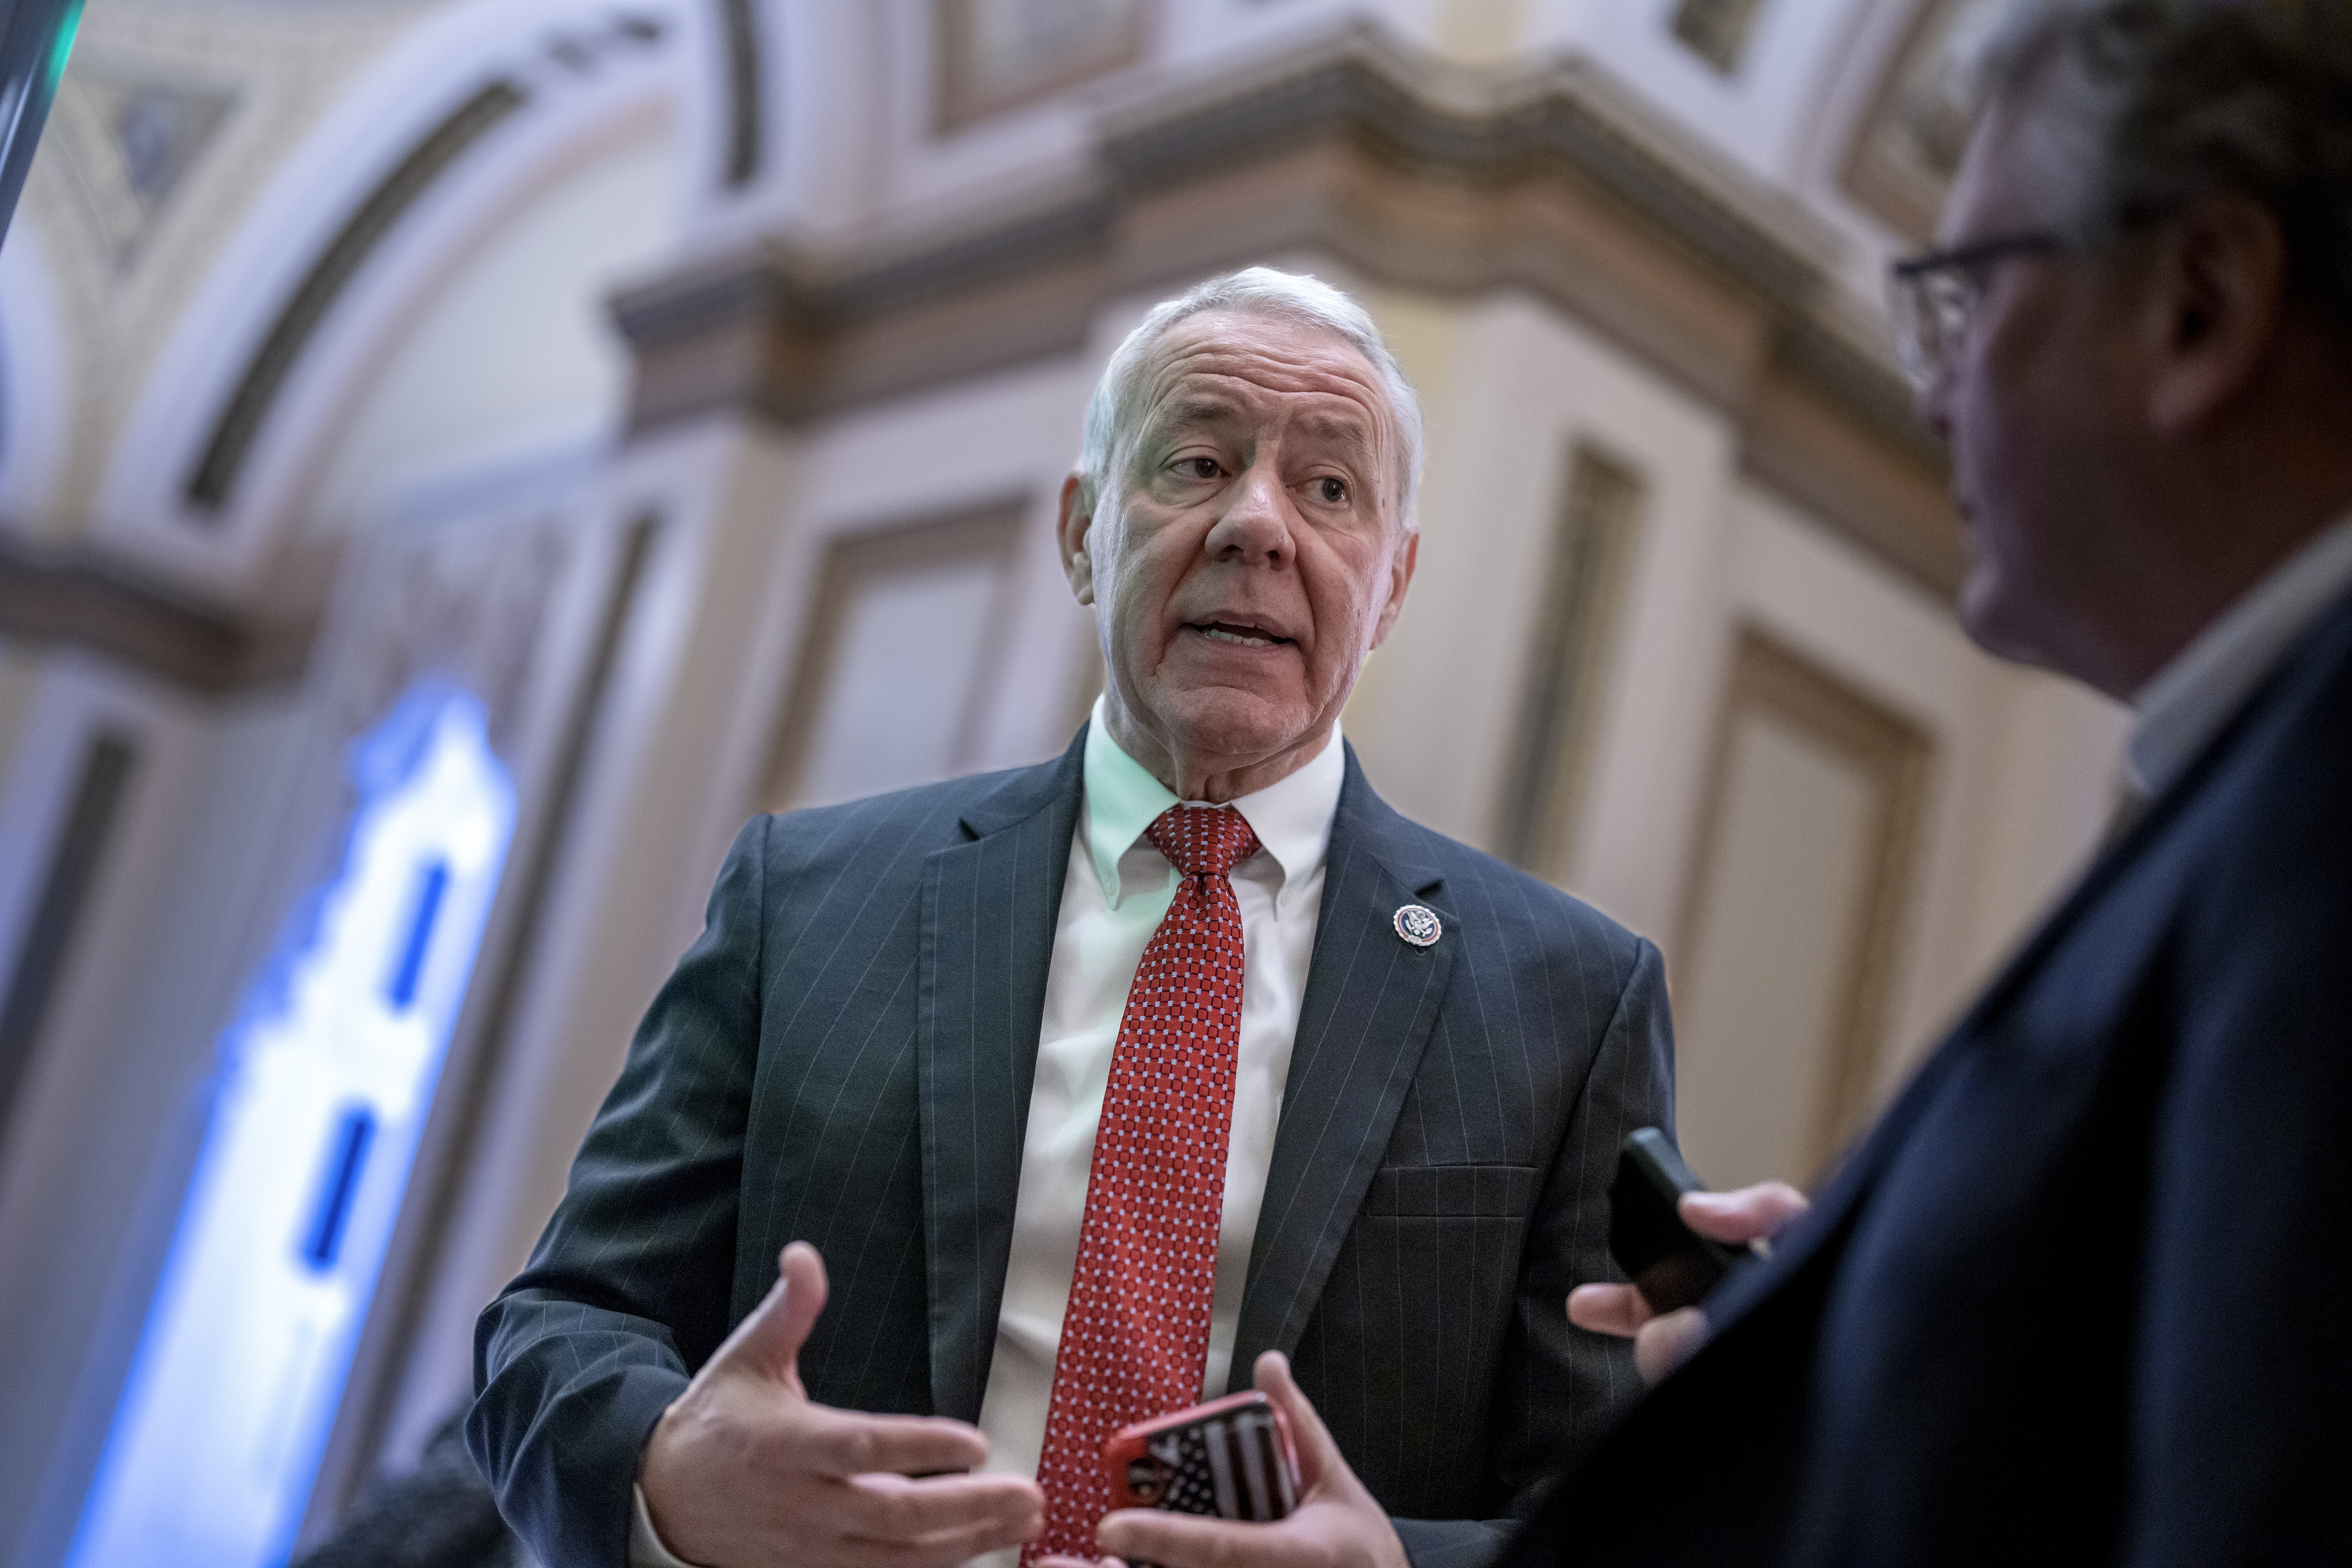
pixel 1249 550
pixel 2037 407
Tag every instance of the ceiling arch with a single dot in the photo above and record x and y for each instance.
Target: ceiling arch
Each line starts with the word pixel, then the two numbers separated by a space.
pixel 473 108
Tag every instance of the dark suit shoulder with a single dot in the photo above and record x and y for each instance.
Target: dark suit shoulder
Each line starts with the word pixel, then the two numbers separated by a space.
pixel 928 815
pixel 882 832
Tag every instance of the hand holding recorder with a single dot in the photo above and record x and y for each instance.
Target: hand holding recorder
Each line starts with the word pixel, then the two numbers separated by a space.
pixel 1675 1239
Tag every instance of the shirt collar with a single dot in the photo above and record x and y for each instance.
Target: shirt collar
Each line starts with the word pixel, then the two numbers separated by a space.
pixel 2187 703
pixel 1291 817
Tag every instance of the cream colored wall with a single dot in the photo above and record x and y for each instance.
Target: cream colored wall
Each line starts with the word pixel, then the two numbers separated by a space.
pixel 517 348
pixel 2024 765
pixel 1898 647
pixel 37 386
pixel 1512 386
pixel 1007 436
pixel 19 671
pixel 1759 986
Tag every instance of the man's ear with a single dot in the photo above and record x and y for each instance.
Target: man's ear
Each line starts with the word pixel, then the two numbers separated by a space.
pixel 1073 528
pixel 2217 301
pixel 1400 566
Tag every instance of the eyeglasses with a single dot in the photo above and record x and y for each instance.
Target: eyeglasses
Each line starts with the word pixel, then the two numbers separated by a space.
pixel 1932 298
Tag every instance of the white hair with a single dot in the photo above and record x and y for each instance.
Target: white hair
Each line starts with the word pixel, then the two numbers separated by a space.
pixel 1293 297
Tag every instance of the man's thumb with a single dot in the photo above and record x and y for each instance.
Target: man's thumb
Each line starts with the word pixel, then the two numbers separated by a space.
pixel 1318 1454
pixel 772 1337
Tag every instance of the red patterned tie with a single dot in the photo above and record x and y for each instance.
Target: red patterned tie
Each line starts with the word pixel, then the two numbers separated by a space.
pixel 1136 1334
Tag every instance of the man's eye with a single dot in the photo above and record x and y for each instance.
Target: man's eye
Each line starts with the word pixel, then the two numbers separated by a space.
pixel 1197 467
pixel 1332 491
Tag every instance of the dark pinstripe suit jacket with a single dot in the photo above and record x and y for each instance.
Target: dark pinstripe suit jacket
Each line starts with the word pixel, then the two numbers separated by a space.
pixel 844 1055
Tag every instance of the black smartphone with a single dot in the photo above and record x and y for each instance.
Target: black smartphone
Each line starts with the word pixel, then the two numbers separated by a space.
pixel 1671 1264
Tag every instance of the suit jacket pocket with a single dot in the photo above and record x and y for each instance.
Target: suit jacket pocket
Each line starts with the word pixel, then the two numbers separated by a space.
pixel 1452 1192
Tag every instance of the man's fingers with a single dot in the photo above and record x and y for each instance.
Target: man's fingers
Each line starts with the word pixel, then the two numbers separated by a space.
pixel 907 1509
pixel 844 1443
pixel 1010 1513
pixel 1190 1540
pixel 1318 1456
pixel 772 1337
pixel 898 1521
pixel 1607 1309
pixel 1748 1214
pixel 1668 1341
pixel 943 1552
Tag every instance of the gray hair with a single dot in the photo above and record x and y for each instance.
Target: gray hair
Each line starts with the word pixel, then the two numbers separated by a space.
pixel 1294 297
pixel 2133 107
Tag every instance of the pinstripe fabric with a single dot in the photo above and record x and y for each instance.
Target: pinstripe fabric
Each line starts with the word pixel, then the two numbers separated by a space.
pixel 989 909
pixel 846 1056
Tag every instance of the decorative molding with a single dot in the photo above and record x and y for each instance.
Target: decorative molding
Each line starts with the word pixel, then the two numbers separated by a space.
pixel 1716 31
pixel 855 561
pixel 463 601
pixel 993 56
pixel 1897 758
pixel 78 598
pixel 109 760
pixel 793 337
pixel 1595 532
pixel 1413 173
pixel 129 141
pixel 215 475
pixel 1908 145
pixel 1827 429
pixel 741 28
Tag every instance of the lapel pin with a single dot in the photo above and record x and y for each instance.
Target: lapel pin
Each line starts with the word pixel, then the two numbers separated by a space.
pixel 1418 925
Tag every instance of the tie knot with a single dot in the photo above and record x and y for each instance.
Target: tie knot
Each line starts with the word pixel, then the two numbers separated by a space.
pixel 1202 840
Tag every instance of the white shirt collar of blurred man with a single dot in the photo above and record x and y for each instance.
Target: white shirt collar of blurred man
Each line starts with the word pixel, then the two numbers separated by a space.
pixel 2188 702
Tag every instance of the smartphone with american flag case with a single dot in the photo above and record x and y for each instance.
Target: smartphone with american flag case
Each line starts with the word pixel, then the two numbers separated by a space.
pixel 1231 1458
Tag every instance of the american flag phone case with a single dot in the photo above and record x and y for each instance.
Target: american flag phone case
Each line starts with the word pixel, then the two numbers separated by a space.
pixel 1232 1458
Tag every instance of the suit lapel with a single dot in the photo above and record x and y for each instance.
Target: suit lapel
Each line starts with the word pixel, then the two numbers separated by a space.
pixel 1370 1003
pixel 989 910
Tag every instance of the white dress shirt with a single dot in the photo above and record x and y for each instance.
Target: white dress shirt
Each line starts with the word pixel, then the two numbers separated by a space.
pixel 2187 703
pixel 1114 894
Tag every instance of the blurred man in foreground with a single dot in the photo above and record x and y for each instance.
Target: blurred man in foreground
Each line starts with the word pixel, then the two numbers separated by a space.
pixel 1095 1079
pixel 2080 1296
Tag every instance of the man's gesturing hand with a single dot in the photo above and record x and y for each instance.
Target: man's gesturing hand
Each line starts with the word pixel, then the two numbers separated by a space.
pixel 1335 1525
pixel 1663 1342
pixel 743 1470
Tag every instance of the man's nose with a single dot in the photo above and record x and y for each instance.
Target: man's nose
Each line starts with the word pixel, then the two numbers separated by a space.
pixel 1255 524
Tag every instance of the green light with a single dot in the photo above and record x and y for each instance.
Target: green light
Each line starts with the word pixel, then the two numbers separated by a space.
pixel 65 43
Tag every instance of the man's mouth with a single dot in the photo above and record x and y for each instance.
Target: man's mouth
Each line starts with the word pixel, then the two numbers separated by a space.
pixel 1240 634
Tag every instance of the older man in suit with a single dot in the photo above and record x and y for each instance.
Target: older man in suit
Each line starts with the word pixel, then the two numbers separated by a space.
pixel 2080 1296
pixel 1094 1081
